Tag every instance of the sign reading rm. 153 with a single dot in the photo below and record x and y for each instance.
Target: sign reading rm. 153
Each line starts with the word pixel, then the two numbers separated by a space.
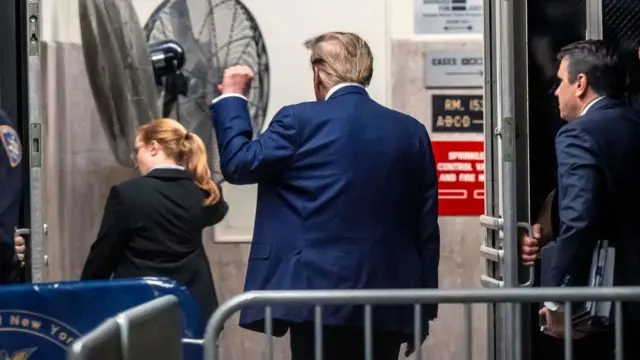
pixel 457 113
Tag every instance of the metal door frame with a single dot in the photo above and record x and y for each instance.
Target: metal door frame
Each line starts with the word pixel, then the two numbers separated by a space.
pixel 522 321
pixel 593 15
pixel 31 14
pixel 506 186
pixel 492 175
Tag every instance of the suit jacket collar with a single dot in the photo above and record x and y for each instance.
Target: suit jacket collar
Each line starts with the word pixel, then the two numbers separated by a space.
pixel 349 89
pixel 590 105
pixel 169 173
pixel 603 103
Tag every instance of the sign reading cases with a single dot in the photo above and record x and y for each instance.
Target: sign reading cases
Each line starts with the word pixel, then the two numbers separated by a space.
pixel 454 69
pixel 460 169
pixel 457 113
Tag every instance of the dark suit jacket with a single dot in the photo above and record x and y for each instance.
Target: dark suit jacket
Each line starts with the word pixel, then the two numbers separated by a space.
pixel 347 199
pixel 598 195
pixel 10 196
pixel 152 226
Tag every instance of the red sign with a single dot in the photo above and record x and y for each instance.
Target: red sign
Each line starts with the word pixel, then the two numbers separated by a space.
pixel 460 167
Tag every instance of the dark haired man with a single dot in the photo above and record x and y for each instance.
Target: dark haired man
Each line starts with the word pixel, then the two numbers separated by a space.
pixel 597 198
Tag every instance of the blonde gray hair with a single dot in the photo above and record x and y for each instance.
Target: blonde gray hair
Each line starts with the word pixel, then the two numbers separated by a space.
pixel 341 57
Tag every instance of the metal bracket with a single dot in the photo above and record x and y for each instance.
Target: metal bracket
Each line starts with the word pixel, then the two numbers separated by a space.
pixel 497 255
pixel 35 136
pixel 491 222
pixel 508 132
pixel 33 14
pixel 492 254
pixel 489 282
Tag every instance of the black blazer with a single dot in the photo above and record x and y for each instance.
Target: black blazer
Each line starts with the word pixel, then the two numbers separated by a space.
pixel 152 226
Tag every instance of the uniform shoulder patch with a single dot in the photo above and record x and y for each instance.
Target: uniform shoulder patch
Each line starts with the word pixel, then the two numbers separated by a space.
pixel 11 143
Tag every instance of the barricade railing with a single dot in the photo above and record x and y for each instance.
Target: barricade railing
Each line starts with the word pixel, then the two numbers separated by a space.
pixel 151 330
pixel 102 343
pixel 418 297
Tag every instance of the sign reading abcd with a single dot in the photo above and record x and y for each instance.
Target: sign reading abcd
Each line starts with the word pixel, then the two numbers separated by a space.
pixel 460 169
pixel 457 113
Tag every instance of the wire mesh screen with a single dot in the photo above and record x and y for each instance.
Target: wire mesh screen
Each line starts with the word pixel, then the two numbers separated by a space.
pixel 215 34
pixel 621 26
pixel 621 21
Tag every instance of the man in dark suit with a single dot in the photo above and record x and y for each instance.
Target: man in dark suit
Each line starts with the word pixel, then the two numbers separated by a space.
pixel 347 199
pixel 597 198
pixel 10 193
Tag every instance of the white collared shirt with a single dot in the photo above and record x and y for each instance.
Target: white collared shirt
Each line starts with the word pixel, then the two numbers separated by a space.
pixel 167 166
pixel 340 86
pixel 224 96
pixel 586 108
pixel 550 304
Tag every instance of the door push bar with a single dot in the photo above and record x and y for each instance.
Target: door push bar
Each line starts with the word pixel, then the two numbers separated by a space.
pixel 497 255
pixel 23 232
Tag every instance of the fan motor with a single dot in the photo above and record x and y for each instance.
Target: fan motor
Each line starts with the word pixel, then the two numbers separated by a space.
pixel 167 58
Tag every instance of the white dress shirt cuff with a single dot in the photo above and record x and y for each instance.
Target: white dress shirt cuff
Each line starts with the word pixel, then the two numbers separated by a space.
pixel 224 96
pixel 554 306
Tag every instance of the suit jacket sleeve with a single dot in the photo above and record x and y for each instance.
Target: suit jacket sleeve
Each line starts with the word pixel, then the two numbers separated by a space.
pixel 246 161
pixel 113 235
pixel 429 241
pixel 213 214
pixel 578 183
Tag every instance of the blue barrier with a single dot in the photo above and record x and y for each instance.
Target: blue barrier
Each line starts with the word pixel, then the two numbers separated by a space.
pixel 40 321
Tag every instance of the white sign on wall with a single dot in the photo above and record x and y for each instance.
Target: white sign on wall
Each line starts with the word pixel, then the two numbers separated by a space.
pixel 448 16
pixel 454 69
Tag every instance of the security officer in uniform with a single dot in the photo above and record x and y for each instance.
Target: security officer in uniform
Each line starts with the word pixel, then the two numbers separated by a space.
pixel 10 194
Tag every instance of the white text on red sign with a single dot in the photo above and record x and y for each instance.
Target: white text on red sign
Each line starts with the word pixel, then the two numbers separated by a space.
pixel 462 166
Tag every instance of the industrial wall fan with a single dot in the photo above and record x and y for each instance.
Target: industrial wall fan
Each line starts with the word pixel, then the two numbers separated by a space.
pixel 171 67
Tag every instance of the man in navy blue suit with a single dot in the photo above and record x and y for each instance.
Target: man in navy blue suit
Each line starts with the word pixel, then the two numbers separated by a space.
pixel 597 198
pixel 347 199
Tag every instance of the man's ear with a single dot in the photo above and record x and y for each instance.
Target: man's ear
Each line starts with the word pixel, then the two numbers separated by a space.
pixel 582 84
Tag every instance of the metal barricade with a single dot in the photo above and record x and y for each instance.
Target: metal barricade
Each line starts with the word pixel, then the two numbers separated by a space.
pixel 148 331
pixel 102 343
pixel 369 298
pixel 152 330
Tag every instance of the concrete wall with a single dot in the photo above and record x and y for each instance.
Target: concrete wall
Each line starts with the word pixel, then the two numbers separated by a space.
pixel 79 169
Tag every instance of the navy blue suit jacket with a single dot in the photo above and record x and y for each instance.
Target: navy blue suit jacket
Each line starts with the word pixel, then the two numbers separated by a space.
pixel 598 193
pixel 10 195
pixel 347 199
